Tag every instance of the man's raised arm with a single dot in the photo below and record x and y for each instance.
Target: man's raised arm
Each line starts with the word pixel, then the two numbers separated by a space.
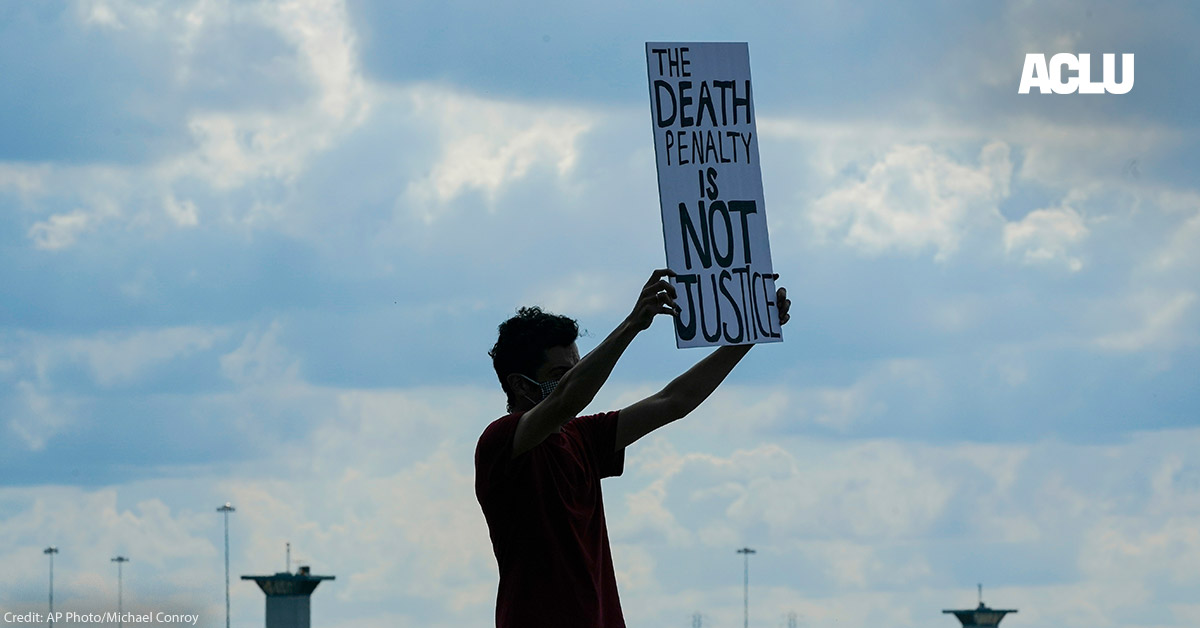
pixel 687 391
pixel 579 385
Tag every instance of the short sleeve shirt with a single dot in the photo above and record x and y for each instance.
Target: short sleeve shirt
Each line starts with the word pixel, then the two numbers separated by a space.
pixel 545 516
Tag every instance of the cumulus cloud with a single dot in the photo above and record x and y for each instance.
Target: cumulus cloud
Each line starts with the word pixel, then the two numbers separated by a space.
pixel 113 357
pixel 277 136
pixel 487 144
pixel 875 490
pixel 240 138
pixel 1182 250
pixel 261 358
pixel 863 517
pixel 61 230
pixel 25 179
pixel 37 415
pixel 1161 323
pixel 380 494
pixel 182 212
pixel 1046 235
pixel 171 550
pixel 585 293
pixel 121 358
pixel 915 199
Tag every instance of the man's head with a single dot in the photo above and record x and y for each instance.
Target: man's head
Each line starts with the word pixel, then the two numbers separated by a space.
pixel 536 345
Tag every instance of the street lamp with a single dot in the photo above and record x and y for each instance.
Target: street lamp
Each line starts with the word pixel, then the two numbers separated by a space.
pixel 119 560
pixel 51 551
pixel 746 552
pixel 225 510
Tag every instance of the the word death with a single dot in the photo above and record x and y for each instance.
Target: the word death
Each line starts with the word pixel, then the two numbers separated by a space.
pixel 673 103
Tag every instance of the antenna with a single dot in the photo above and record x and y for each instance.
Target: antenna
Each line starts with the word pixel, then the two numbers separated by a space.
pixel 746 552
pixel 119 560
pixel 980 594
pixel 289 556
pixel 225 510
pixel 51 551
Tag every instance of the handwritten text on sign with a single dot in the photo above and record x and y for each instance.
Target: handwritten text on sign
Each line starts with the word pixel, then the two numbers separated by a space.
pixel 710 191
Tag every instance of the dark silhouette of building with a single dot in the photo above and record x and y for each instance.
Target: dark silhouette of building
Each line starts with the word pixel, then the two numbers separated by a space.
pixel 288 596
pixel 981 616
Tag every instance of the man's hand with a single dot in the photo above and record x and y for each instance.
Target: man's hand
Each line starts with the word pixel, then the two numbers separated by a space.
pixel 783 304
pixel 687 391
pixel 579 385
pixel 657 297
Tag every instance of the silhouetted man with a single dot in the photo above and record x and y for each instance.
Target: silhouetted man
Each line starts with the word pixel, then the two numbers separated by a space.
pixel 538 468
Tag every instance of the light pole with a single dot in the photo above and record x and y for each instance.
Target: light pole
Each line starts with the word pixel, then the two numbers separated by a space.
pixel 51 551
pixel 746 552
pixel 225 510
pixel 119 560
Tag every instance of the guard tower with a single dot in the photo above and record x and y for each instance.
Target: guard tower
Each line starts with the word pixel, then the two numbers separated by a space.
pixel 981 616
pixel 288 596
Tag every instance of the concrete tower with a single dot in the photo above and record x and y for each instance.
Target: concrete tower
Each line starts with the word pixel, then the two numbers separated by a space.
pixel 288 596
pixel 981 616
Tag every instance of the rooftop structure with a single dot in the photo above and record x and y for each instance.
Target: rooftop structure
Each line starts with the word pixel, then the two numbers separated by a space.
pixel 981 616
pixel 288 596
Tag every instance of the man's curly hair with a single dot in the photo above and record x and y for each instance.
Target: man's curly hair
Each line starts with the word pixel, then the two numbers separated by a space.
pixel 523 340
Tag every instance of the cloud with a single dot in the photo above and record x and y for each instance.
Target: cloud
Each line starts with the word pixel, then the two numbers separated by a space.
pixel 122 358
pixel 261 358
pixel 1164 324
pixel 1181 249
pixel 1046 235
pixel 834 520
pixel 38 415
pixel 60 230
pixel 182 212
pixel 486 144
pixel 586 293
pixel 237 135
pixel 170 550
pixel 114 358
pixel 845 495
pixel 236 147
pixel 380 494
pixel 915 199
pixel 25 179
pixel 233 262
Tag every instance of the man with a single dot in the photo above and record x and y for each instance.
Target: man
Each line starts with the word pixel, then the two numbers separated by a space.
pixel 538 469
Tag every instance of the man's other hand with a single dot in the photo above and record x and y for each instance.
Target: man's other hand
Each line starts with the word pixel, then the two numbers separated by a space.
pixel 657 297
pixel 783 304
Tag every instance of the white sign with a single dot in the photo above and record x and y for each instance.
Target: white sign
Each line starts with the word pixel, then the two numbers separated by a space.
pixel 710 191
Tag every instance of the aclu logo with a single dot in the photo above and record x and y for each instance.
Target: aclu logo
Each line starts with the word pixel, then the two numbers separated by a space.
pixel 1052 77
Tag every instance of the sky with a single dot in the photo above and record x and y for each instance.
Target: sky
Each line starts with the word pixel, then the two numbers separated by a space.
pixel 256 252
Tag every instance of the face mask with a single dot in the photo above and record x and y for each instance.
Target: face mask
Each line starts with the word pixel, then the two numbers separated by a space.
pixel 546 387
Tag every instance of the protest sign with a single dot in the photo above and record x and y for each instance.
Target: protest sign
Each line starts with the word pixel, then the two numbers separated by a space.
pixel 710 192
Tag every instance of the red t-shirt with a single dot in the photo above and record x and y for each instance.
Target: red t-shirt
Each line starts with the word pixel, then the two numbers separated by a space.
pixel 545 515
